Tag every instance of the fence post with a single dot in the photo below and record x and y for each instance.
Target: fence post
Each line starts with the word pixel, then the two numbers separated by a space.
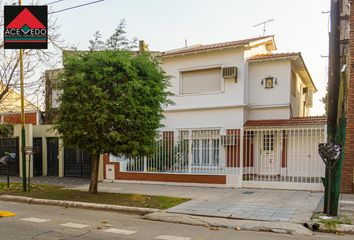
pixel 190 151
pixel 241 153
pixel 145 164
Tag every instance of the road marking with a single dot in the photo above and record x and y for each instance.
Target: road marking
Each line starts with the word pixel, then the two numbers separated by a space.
pixel 36 220
pixel 120 231
pixel 7 214
pixel 167 237
pixel 74 225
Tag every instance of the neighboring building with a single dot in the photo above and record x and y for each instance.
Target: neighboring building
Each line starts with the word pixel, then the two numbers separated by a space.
pixel 347 51
pixel 10 109
pixel 51 94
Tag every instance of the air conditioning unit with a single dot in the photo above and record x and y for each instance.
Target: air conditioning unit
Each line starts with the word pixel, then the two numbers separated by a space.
pixel 229 140
pixel 308 98
pixel 229 72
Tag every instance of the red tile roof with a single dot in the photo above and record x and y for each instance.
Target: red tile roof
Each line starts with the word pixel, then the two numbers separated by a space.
pixel 274 55
pixel 292 122
pixel 199 48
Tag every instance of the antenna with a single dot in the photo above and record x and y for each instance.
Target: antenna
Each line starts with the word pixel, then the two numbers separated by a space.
pixel 264 25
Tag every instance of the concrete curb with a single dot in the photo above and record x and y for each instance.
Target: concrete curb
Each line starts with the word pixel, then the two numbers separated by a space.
pixel 276 227
pixel 94 206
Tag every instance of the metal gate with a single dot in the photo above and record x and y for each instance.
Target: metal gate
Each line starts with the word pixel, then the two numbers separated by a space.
pixel 37 157
pixel 10 145
pixel 77 163
pixel 52 156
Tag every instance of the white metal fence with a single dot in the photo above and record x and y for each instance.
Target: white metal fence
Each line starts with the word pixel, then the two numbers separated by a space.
pixel 283 155
pixel 260 155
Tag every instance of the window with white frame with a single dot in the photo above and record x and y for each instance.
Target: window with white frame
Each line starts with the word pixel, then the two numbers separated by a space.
pixel 205 147
pixel 201 81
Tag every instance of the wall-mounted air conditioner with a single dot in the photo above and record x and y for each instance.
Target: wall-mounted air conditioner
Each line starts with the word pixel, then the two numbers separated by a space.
pixel 229 72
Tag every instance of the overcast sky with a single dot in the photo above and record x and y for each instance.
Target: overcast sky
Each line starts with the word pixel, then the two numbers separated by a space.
pixel 299 26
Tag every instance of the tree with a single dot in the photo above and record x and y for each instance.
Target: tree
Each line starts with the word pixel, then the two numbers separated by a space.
pixel 324 100
pixel 117 41
pixel 34 59
pixel 111 102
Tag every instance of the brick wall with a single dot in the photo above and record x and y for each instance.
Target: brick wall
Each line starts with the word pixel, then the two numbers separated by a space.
pixel 30 118
pixel 162 177
pixel 348 164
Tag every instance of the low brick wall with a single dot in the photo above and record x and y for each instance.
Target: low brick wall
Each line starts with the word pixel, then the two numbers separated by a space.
pixel 163 177
pixel 178 178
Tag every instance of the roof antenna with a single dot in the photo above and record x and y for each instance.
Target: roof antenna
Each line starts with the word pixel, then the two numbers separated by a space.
pixel 264 25
pixel 185 43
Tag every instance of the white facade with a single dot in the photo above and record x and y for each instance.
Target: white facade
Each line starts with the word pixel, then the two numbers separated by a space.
pixel 235 101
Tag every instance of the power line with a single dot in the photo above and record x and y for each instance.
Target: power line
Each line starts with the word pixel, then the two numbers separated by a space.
pixel 77 6
pixel 54 2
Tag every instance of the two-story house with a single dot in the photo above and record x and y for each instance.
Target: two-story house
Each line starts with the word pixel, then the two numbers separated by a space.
pixel 236 100
pixel 240 117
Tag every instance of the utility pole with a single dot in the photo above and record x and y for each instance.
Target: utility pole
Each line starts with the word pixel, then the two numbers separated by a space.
pixel 333 93
pixel 23 130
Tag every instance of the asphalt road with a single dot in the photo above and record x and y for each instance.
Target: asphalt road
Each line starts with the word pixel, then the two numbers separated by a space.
pixel 36 222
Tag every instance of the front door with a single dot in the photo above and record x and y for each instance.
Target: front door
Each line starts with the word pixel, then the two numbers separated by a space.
pixel 52 156
pixel 268 160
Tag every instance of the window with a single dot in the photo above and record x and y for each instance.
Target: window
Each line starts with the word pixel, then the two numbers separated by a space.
pixel 268 142
pixel 205 147
pixel 201 81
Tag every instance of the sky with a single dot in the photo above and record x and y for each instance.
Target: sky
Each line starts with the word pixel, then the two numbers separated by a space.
pixel 298 26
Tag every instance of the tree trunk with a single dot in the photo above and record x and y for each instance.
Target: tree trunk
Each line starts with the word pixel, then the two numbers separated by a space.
pixel 94 173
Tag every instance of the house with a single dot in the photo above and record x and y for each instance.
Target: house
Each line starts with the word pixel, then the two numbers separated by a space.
pixel 10 112
pixel 10 108
pixel 241 117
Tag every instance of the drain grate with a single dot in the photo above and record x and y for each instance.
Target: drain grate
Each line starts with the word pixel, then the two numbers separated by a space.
pixel 247 192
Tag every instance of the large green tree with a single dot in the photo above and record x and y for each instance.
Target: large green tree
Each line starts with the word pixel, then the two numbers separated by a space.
pixel 111 102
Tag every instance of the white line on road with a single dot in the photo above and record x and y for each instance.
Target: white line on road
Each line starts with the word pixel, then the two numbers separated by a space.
pixel 36 220
pixel 167 237
pixel 120 231
pixel 74 225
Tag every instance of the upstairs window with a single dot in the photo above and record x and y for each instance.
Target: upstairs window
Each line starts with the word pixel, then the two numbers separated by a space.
pixel 201 81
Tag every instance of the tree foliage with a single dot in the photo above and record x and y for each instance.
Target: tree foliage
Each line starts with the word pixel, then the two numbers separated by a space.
pixel 117 41
pixel 111 102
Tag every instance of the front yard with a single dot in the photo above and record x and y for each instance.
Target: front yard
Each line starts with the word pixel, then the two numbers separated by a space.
pixel 60 193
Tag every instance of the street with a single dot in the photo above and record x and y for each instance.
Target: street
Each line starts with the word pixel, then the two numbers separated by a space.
pixel 48 222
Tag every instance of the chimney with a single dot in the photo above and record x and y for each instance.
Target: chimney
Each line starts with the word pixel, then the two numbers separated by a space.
pixel 143 47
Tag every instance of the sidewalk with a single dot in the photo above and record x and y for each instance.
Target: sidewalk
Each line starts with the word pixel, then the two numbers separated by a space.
pixel 346 208
pixel 249 204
